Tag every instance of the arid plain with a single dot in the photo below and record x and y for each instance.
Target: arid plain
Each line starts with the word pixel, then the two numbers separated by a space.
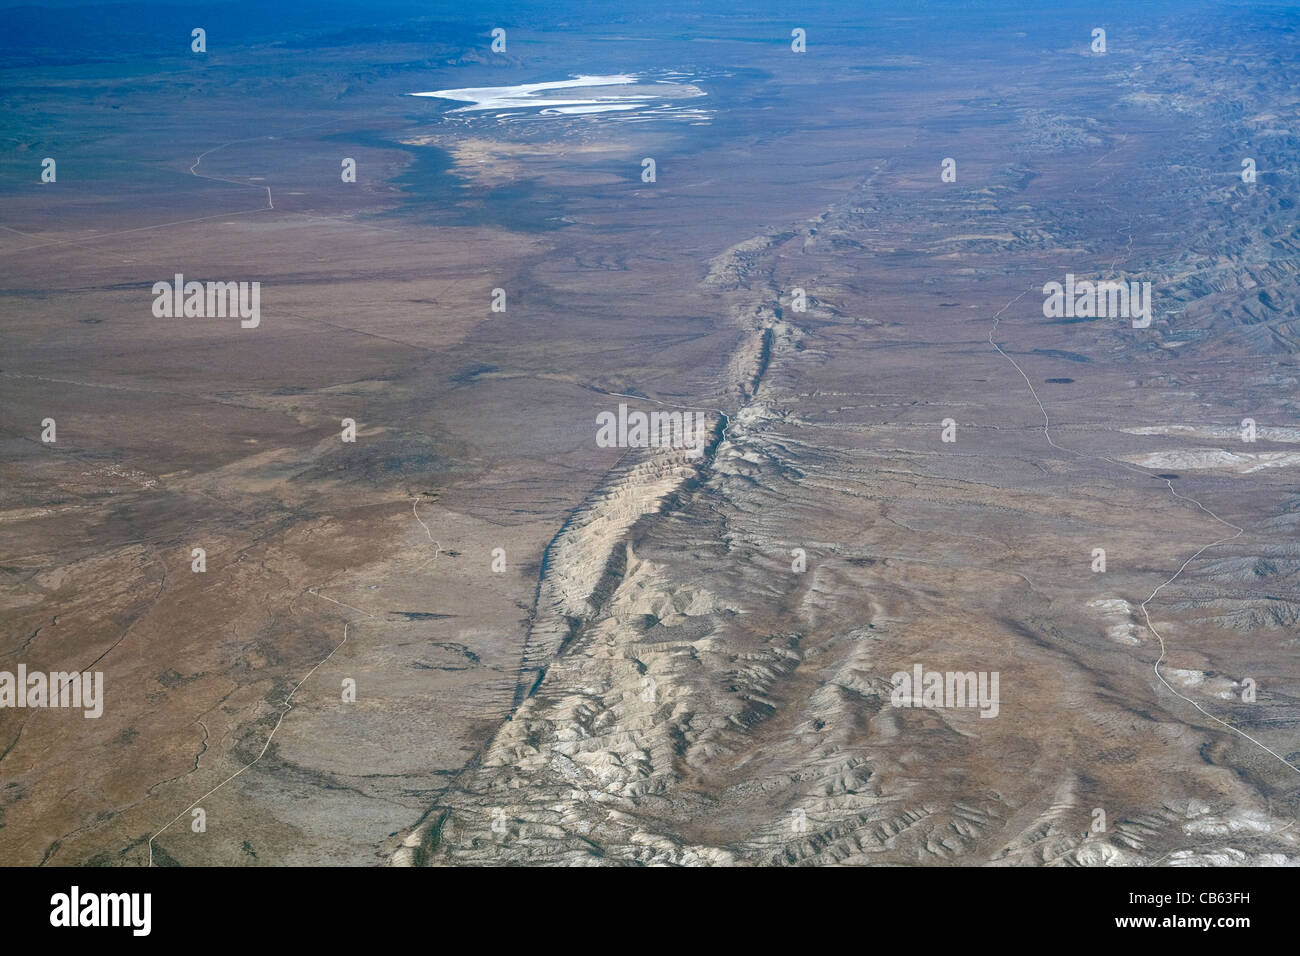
pixel 568 653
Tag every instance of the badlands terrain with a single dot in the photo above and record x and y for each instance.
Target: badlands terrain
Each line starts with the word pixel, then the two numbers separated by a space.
pixel 476 635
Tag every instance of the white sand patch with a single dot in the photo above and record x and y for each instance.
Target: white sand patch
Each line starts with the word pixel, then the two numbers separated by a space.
pixel 1203 459
pixel 525 94
pixel 1117 614
pixel 1219 432
pixel 620 93
pixel 1248 822
pixel 590 108
pixel 1185 677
